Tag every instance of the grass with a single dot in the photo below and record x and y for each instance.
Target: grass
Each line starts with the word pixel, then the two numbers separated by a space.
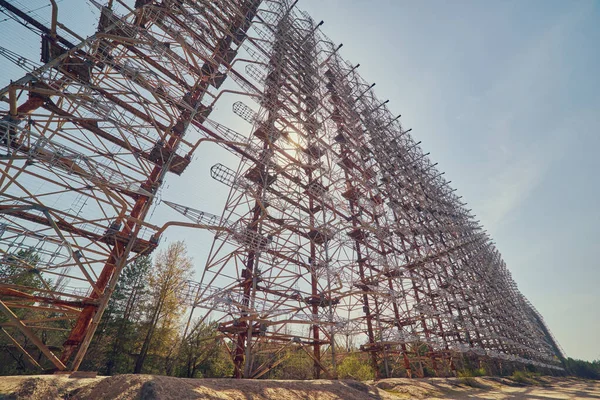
pixel 467 377
pixel 525 377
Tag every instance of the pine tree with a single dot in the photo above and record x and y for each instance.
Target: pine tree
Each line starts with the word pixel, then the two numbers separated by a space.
pixel 20 269
pixel 117 337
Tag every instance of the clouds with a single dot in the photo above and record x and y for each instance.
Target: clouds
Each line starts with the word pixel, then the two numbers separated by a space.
pixel 509 187
pixel 525 111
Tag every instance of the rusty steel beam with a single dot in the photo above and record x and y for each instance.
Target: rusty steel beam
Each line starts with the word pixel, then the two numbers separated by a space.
pixel 338 230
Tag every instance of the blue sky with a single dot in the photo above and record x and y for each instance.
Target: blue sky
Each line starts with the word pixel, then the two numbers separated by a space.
pixel 506 97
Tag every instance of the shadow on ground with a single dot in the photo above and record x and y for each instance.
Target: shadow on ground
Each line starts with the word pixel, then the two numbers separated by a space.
pixel 151 387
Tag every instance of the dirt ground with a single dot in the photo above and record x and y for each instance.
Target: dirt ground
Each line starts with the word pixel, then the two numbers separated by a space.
pixel 150 387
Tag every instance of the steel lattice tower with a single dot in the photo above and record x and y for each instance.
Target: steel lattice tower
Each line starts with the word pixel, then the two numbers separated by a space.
pixel 89 139
pixel 337 230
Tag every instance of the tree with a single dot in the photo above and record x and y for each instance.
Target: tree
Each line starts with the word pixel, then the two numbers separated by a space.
pixel 356 366
pixel 581 368
pixel 20 268
pixel 296 364
pixel 113 345
pixel 172 267
pixel 203 354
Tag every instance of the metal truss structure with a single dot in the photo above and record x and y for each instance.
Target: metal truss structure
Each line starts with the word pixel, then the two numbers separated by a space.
pixel 88 139
pixel 338 230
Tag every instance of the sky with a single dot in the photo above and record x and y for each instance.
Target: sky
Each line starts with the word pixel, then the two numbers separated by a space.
pixel 506 97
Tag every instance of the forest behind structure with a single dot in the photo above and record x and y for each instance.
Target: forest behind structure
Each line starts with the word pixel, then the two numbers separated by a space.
pixel 144 325
pixel 147 328
pixel 141 329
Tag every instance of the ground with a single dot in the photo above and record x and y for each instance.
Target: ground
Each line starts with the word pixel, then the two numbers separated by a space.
pixel 150 387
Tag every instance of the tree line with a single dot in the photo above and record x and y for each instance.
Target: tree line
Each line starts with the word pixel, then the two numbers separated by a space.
pixel 142 329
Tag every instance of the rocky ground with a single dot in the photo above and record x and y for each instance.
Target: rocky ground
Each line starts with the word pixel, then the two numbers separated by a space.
pixel 49 387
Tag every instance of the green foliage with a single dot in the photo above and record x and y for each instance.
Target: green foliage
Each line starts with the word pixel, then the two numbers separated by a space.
pixel 357 367
pixel 203 355
pixel 20 269
pixel 525 377
pixel 142 325
pixel 469 381
pixel 582 369
pixel 220 365
pixel 118 335
pixel 420 348
pixel 467 376
pixel 172 267
pixel 132 285
pixel 296 364
pixel 471 373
